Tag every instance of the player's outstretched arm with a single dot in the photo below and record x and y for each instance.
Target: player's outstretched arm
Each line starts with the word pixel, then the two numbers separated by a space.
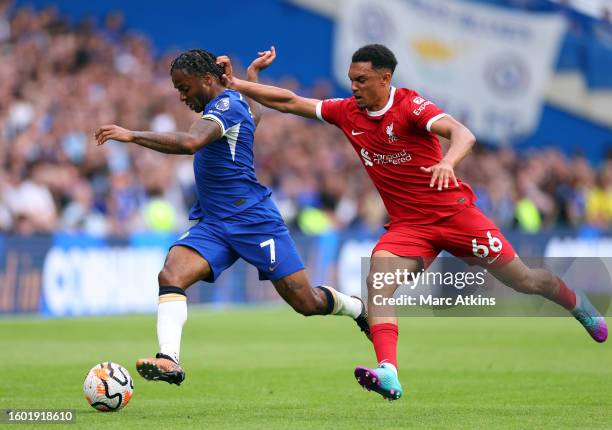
pixel 263 60
pixel 202 132
pixel 461 142
pixel 280 99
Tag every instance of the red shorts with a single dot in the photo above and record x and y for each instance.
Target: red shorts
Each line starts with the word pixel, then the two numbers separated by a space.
pixel 468 234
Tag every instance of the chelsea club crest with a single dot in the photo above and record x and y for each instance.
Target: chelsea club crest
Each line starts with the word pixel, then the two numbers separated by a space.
pixel 223 104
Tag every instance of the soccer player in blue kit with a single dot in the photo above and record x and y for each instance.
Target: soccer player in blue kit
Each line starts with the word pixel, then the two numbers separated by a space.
pixel 236 217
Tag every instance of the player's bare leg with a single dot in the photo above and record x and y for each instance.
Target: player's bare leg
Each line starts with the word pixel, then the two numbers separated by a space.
pixel 296 290
pixel 383 322
pixel 183 267
pixel 542 282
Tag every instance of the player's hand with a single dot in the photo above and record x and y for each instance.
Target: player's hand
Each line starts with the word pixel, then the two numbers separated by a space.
pixel 228 74
pixel 442 172
pixel 114 132
pixel 264 60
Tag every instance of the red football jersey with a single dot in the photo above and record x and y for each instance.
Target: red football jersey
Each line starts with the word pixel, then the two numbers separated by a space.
pixel 393 144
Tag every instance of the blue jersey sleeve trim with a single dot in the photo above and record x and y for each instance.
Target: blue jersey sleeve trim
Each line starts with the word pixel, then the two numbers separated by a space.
pixel 217 120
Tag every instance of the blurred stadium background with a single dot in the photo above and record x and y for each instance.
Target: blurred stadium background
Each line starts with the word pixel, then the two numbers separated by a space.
pixel 84 229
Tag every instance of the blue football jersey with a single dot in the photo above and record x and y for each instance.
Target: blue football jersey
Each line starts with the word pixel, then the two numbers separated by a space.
pixel 224 169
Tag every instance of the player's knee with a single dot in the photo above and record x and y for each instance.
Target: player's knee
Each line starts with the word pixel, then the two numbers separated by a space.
pixel 378 280
pixel 370 280
pixel 168 277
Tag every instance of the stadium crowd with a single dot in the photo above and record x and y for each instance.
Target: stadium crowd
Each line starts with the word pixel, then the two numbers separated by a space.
pixel 59 82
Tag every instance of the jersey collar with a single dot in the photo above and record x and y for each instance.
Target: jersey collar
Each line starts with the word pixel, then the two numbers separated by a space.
pixel 387 106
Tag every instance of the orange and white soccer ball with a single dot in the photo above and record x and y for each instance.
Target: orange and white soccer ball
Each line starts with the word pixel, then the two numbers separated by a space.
pixel 108 387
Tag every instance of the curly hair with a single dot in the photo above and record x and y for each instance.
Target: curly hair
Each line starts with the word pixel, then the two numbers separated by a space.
pixel 380 56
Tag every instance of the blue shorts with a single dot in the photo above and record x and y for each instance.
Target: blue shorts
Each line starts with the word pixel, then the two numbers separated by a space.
pixel 258 235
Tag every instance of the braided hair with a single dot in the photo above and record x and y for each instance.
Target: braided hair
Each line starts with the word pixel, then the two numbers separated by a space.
pixel 197 62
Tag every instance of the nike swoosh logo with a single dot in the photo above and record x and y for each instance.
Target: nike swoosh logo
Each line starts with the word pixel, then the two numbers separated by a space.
pixel 492 260
pixel 272 268
pixel 356 133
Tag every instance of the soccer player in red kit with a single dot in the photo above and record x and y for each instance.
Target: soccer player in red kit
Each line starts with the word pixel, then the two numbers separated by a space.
pixel 395 133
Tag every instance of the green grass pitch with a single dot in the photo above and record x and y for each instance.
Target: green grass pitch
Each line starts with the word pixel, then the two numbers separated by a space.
pixel 270 368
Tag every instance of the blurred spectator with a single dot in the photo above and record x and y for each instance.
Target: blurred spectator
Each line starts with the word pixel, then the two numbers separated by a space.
pixel 32 204
pixel 5 25
pixel 599 199
pixel 80 214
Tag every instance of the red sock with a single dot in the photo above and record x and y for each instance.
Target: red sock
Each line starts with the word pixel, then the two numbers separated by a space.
pixel 564 297
pixel 384 337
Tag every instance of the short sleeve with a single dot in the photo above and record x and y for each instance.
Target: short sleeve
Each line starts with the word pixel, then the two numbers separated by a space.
pixel 331 110
pixel 225 112
pixel 423 113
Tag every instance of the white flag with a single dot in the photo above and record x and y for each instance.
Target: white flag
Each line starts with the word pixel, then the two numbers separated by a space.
pixel 486 66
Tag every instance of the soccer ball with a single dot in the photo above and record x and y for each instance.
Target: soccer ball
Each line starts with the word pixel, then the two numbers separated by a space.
pixel 108 387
